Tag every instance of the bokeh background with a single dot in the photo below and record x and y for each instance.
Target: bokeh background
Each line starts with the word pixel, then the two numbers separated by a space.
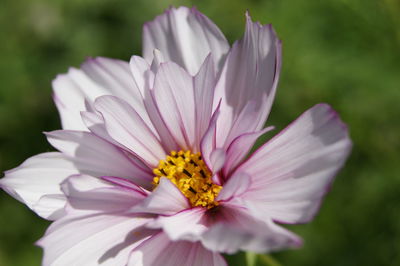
pixel 344 52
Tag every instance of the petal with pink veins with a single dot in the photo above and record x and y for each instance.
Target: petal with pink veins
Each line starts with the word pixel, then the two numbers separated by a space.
pixel 185 36
pixel 85 192
pixel 78 88
pixel 236 230
pixel 248 82
pixel 91 239
pixel 94 156
pixel 160 250
pixel 166 199
pixel 38 177
pixel 292 172
pixel 239 148
pixel 188 224
pixel 174 97
pixel 125 126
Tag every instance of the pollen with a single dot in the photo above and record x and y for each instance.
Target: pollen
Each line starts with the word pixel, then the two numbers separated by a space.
pixel 191 176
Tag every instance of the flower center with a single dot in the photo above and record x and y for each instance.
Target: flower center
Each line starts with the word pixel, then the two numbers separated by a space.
pixel 191 176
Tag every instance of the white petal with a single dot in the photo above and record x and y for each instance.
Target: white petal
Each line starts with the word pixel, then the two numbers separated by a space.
pixel 184 36
pixel 166 199
pixel 291 173
pixel 97 157
pixel 98 76
pixel 248 82
pixel 37 177
pixel 159 250
pixel 127 128
pixel 92 240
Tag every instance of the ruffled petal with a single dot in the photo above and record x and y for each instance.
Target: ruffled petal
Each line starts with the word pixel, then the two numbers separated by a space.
pixel 248 82
pixel 97 157
pixel 125 126
pixel 104 239
pixel 36 182
pixel 184 36
pixel 293 171
pixel 166 199
pixel 77 89
pixel 160 250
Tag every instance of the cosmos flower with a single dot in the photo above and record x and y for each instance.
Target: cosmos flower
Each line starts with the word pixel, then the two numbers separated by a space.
pixel 153 165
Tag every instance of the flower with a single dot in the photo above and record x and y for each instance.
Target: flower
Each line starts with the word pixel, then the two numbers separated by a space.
pixel 152 167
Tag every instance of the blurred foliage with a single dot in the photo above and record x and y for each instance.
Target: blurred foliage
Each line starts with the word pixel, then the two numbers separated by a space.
pixel 344 52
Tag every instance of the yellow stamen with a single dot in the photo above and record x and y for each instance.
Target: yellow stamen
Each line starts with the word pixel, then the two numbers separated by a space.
pixel 191 176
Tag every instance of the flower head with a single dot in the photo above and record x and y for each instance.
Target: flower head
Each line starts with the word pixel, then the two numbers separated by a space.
pixel 152 167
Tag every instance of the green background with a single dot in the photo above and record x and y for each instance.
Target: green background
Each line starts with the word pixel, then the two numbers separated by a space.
pixel 343 52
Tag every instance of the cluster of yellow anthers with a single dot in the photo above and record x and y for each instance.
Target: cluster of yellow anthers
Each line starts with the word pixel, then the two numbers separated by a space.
pixel 191 176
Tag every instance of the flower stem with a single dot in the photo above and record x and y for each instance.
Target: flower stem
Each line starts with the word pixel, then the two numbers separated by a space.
pixel 267 260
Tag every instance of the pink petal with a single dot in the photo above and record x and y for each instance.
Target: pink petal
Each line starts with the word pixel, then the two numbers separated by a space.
pixel 204 83
pixel 38 177
pixel 178 33
pixel 240 147
pixel 174 96
pixel 236 230
pixel 89 193
pixel 126 127
pixel 236 185
pixel 292 172
pixel 166 199
pixel 125 183
pixel 248 82
pixel 93 239
pixel 188 225
pixel 213 157
pixel 159 250
pixel 95 156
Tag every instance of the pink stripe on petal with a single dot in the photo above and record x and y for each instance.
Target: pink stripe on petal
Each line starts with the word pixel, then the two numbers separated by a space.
pixel 126 127
pixel 240 147
pixel 95 156
pixel 178 33
pixel 38 177
pixel 174 97
pixel 160 250
pixel 93 194
pixel 292 171
pixel 248 82
pixel 125 183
